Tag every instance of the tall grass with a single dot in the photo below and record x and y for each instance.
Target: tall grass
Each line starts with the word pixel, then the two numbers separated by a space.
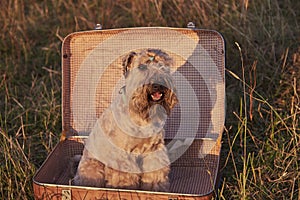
pixel 260 154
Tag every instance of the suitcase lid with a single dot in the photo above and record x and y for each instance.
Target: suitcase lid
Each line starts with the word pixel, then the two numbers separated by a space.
pixel 92 77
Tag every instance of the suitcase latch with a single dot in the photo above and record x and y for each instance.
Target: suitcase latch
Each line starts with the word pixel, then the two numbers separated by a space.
pixel 66 195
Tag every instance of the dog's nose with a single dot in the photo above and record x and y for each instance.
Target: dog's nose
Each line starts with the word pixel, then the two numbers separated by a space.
pixel 158 82
pixel 156 86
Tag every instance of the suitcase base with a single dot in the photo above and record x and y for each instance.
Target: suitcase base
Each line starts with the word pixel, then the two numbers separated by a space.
pixel 53 180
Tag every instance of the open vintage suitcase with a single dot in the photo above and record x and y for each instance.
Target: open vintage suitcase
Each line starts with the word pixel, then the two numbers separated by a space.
pixel 92 76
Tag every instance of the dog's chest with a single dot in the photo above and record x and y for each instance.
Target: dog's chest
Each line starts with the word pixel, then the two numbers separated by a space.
pixel 128 141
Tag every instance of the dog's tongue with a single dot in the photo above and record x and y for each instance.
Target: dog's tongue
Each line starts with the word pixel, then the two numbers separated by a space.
pixel 156 96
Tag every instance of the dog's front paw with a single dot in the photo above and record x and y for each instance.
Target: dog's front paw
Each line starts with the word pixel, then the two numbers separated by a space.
pixel 90 172
pixel 156 181
pixel 156 187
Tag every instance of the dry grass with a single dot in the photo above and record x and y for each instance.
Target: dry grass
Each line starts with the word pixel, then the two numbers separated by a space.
pixel 261 142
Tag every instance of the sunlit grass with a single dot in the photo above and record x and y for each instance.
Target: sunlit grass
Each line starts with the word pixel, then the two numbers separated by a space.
pixel 261 144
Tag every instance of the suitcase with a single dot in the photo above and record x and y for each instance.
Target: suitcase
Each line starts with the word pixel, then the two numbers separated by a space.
pixel 92 77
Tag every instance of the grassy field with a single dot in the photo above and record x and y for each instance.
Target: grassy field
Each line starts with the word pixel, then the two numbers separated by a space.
pixel 261 142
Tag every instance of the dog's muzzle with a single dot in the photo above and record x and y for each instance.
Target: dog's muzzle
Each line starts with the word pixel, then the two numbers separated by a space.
pixel 156 92
pixel 158 87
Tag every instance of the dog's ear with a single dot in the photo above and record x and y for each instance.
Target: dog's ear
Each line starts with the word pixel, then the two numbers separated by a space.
pixel 170 101
pixel 127 62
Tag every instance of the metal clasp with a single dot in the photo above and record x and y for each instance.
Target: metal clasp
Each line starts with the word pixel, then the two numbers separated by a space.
pixel 191 25
pixel 98 27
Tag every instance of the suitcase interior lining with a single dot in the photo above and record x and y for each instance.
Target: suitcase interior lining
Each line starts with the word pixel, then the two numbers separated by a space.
pixel 189 174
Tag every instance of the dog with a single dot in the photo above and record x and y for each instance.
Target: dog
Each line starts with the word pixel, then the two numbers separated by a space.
pixel 126 149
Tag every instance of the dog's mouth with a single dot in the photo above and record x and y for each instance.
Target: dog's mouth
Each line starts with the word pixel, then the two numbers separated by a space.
pixel 156 96
pixel 156 93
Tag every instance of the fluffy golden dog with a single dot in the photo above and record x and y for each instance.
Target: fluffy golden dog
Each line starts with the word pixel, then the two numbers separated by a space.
pixel 126 147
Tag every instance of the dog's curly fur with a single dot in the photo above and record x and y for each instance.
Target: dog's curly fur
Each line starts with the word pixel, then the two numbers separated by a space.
pixel 133 160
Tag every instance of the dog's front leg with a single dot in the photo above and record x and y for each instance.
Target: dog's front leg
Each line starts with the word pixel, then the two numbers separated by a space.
pixel 156 168
pixel 121 180
pixel 90 172
pixel 125 174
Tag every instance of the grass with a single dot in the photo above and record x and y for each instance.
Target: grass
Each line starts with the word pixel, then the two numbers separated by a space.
pixel 261 142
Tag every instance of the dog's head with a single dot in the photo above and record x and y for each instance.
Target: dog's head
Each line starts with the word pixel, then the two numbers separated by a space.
pixel 148 81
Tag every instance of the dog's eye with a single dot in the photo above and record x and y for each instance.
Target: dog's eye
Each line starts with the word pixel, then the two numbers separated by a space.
pixel 142 67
